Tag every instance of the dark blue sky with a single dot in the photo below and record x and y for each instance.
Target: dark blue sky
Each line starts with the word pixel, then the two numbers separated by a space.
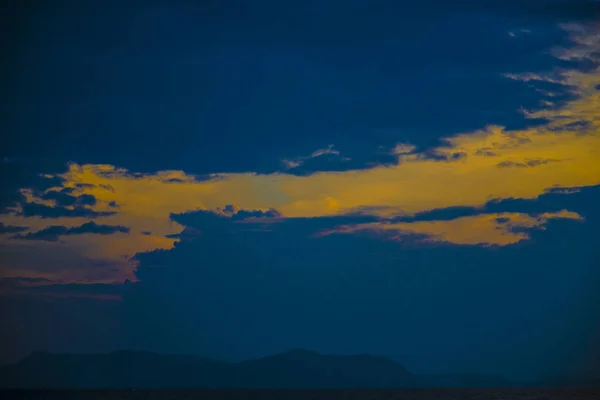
pixel 415 180
pixel 244 86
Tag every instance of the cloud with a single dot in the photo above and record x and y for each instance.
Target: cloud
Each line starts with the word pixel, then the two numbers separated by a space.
pixel 214 221
pixel 329 150
pixel 41 210
pixel 440 154
pixel 329 96
pixel 54 232
pixel 459 175
pixel 326 159
pixel 25 173
pixel 580 114
pixel 22 281
pixel 236 213
pixel 63 197
pixel 525 164
pixel 11 228
pixel 587 43
pixel 403 148
pixel 276 278
pixel 60 198
pixel 531 77
pixel 86 200
pixel 72 259
pixel 554 200
pixel 330 159
pixel 416 184
pixel 482 229
pixel 463 173
pixel 499 222
pixel 518 32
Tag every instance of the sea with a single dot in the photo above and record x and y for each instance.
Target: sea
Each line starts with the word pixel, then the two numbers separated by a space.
pixel 309 394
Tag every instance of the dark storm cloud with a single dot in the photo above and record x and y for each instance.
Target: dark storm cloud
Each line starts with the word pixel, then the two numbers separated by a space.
pixel 54 232
pixel 44 211
pixel 11 228
pixel 357 293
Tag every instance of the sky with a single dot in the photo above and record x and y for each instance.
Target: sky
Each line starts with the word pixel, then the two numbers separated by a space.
pixel 235 179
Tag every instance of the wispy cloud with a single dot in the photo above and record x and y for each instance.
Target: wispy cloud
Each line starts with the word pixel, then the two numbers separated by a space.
pixel 498 229
pixel 586 38
pixel 518 32
pixel 525 163
pixel 325 155
pixel 35 209
pixel 531 77
pixel 11 228
pixel 54 232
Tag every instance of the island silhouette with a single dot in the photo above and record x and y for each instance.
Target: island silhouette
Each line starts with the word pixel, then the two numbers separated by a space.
pixel 298 368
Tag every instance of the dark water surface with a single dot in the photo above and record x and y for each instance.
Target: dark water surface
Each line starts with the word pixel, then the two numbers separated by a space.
pixel 308 394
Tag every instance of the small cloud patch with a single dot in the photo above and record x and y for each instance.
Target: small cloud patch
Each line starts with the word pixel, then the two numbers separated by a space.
pixel 11 228
pixel 54 232
pixel 43 211
pixel 525 164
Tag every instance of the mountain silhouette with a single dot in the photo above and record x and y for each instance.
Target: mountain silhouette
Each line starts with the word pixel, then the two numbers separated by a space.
pixel 118 369
pixel 297 368
pixel 304 368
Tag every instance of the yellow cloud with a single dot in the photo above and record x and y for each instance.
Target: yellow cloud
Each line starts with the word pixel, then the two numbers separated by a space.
pixel 562 153
pixel 486 229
